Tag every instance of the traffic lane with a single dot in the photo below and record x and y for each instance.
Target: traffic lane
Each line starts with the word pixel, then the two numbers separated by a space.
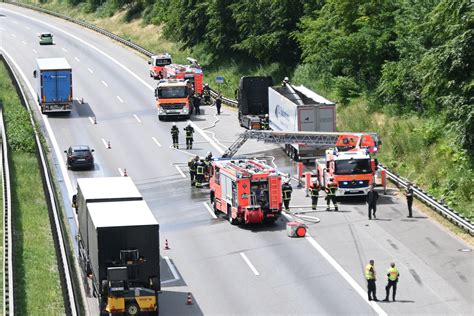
pixel 279 262
pixel 352 240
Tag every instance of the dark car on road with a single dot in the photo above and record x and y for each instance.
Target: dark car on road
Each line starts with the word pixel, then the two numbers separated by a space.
pixel 79 156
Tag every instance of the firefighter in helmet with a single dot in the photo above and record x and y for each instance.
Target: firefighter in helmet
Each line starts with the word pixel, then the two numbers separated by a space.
pixel 192 168
pixel 314 193
pixel 174 135
pixel 200 169
pixel 189 136
pixel 206 92
pixel 207 163
pixel 331 189
pixel 286 191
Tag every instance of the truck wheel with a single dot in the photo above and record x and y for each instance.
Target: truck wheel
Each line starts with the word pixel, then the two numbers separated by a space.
pixel 160 117
pixel 132 309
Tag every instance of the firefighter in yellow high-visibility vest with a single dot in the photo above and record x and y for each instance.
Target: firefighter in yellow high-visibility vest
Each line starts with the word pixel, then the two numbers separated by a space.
pixel 392 275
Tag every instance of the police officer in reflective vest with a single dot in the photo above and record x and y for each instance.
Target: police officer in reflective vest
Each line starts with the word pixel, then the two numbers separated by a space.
pixel 393 275
pixel 286 191
pixel 370 277
pixel 314 193
pixel 331 189
pixel 189 136
pixel 200 167
pixel 174 135
pixel 192 168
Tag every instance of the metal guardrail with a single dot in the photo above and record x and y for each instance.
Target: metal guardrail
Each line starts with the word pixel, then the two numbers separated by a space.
pixel 8 293
pixel 432 202
pixel 65 259
pixel 429 200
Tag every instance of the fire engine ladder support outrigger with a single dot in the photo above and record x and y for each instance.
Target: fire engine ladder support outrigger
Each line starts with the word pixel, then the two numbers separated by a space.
pixel 322 139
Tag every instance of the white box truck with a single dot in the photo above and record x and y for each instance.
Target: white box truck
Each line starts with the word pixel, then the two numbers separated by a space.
pixel 298 109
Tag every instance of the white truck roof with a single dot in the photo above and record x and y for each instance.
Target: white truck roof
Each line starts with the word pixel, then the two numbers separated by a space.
pixel 52 64
pixel 108 188
pixel 311 94
pixel 115 214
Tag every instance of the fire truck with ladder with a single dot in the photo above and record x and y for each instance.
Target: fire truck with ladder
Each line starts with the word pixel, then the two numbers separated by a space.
pixel 350 160
pixel 245 190
pixel 350 164
pixel 192 73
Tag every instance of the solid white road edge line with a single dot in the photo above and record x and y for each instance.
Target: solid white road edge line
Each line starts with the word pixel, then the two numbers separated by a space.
pixel 136 117
pixel 156 142
pixel 49 130
pixel 180 171
pixel 249 263
pixel 104 83
pixel 105 143
pixel 120 99
pixel 209 210
pixel 345 275
pixel 172 269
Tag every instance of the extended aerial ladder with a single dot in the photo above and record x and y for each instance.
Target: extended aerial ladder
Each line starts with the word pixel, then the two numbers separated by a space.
pixel 319 139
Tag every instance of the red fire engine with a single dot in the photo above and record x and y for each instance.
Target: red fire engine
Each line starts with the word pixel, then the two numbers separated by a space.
pixel 246 190
pixel 192 72
pixel 350 164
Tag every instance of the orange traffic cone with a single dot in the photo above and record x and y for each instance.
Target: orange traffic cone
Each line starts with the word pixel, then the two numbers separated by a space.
pixel 189 301
pixel 167 247
pixel 108 145
pixel 125 172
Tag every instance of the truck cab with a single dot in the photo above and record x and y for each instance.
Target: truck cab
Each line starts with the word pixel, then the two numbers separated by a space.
pixel 157 63
pixel 252 99
pixel 172 98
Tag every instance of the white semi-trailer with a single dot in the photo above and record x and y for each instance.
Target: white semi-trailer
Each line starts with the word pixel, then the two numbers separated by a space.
pixel 298 109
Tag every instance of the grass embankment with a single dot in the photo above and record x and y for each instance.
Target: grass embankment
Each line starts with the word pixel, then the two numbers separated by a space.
pixel 417 148
pixel 36 276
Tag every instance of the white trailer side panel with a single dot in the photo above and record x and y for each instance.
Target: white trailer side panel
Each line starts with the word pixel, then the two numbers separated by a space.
pixel 282 112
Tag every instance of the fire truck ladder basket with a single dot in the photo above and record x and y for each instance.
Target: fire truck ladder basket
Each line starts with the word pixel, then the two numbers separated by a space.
pixel 323 139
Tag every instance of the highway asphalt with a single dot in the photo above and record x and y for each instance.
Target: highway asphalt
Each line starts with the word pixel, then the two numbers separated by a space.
pixel 232 270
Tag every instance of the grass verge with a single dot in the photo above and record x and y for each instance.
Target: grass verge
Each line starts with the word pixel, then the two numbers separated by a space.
pixel 36 276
